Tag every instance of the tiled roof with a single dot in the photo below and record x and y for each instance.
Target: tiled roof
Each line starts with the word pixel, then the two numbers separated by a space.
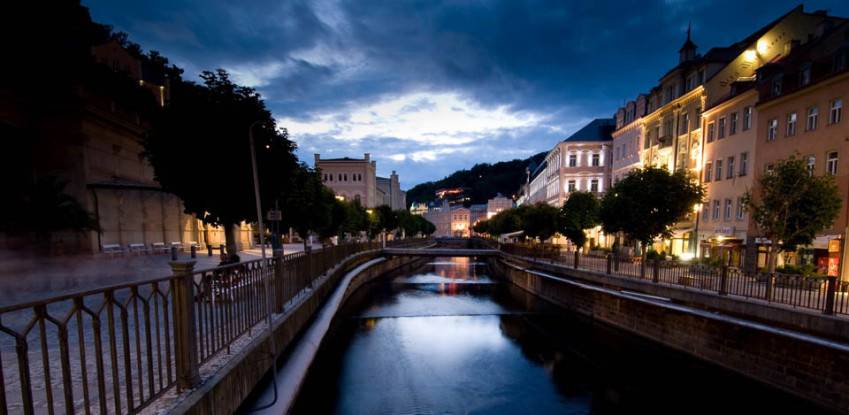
pixel 598 129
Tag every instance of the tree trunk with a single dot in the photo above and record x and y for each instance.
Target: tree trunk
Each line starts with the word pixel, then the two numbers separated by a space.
pixel 771 259
pixel 230 241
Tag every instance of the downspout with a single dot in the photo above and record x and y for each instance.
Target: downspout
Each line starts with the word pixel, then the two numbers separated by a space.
pixel 97 218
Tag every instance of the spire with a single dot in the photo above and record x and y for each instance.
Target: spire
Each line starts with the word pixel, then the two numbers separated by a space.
pixel 688 50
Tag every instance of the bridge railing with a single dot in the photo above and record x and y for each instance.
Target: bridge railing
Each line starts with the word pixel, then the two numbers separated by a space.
pixel 824 294
pixel 115 349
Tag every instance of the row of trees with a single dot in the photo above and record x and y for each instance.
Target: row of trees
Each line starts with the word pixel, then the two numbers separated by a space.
pixel 789 208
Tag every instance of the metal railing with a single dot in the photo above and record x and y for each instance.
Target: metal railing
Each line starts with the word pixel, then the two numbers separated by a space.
pixel 824 294
pixel 116 349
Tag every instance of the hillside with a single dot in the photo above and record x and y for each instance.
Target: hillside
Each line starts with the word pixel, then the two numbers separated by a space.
pixel 483 180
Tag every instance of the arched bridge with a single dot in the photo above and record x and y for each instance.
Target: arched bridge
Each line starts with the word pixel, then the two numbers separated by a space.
pixel 439 252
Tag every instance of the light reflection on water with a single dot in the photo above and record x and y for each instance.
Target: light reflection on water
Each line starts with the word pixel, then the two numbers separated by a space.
pixel 432 342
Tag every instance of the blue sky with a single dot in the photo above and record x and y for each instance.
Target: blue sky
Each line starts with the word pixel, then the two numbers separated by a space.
pixel 428 87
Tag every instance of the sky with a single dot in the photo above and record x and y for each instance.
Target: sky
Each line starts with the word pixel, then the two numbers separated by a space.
pixel 430 87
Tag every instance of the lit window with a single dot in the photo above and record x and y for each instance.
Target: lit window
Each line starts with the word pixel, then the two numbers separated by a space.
pixel 708 171
pixel 831 163
pixel 740 208
pixel 772 129
pixel 715 215
pixel 728 208
pixel 747 118
pixel 791 124
pixel 811 165
pixel 813 115
pixel 711 132
pixel 836 112
pixel 744 164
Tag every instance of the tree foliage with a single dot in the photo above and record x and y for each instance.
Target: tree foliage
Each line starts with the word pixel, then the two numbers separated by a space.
pixel 414 224
pixel 540 221
pixel 580 212
pixel 647 202
pixel 791 206
pixel 199 150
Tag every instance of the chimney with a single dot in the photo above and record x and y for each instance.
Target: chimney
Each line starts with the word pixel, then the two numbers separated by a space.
pixel 367 156
pixel 317 159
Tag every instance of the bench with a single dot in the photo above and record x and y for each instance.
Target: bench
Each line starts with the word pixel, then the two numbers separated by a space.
pixel 137 249
pixel 112 249
pixel 158 248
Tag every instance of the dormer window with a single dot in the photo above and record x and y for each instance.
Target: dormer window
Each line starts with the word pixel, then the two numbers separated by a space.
pixel 777 84
pixel 840 60
pixel 805 75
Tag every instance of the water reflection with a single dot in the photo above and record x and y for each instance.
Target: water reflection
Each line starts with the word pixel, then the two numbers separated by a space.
pixel 419 344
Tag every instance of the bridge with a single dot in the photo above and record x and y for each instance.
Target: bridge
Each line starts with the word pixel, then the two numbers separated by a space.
pixel 434 252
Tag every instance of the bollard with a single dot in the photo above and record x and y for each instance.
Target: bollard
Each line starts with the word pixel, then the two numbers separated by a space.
pixel 173 253
pixel 185 346
pixel 723 280
pixel 830 295
pixel 209 249
pixel 194 251
pixel 655 271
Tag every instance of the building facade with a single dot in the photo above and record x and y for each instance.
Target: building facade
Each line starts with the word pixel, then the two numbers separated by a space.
pixel 389 190
pixel 627 138
pixel 351 179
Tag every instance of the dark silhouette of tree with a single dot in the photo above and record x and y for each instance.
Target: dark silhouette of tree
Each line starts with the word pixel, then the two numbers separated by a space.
pixel 43 207
pixel 579 213
pixel 791 206
pixel 540 221
pixel 199 150
pixel 647 202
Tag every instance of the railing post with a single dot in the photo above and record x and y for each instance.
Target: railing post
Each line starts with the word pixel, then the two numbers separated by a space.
pixel 279 281
pixel 643 269
pixel 723 280
pixel 208 250
pixel 185 346
pixel 770 283
pixel 616 262
pixel 655 271
pixel 830 291
pixel 193 250
pixel 577 258
pixel 609 263
pixel 173 253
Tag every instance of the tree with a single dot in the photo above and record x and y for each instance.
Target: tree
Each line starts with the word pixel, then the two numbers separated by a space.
pixel 506 221
pixel 307 205
pixel 199 151
pixel 356 218
pixel 384 219
pixel 580 212
pixel 647 202
pixel 791 206
pixel 540 221
pixel 43 207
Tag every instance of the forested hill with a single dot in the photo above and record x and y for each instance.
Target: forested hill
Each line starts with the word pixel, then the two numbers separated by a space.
pixel 483 181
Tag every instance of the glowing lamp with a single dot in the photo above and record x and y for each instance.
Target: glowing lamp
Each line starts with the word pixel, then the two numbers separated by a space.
pixel 750 55
pixel 762 46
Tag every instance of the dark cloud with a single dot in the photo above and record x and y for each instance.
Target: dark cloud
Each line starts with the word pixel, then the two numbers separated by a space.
pixel 564 62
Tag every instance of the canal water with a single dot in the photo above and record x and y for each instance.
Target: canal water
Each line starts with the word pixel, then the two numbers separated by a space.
pixel 449 338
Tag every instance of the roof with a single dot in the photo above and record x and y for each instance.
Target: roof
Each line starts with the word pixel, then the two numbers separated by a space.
pixel 343 159
pixel 599 129
pixel 478 207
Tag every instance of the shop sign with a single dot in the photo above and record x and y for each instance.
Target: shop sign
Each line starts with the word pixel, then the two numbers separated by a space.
pixel 834 245
pixel 724 230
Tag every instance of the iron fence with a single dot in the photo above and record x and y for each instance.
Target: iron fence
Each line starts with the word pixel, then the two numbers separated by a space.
pixel 824 294
pixel 116 349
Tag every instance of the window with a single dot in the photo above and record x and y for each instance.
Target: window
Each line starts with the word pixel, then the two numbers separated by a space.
pixel 691 81
pixel 684 125
pixel 813 114
pixel 790 130
pixel 840 60
pixel 708 171
pixel 667 129
pixel 711 132
pixel 811 164
pixel 772 129
pixel 573 160
pixel 805 75
pixel 732 124
pixel 721 128
pixel 571 187
pixel 706 211
pixel 776 85
pixel 729 168
pixel 718 166
pixel 836 112
pixel 618 152
pixel 740 208
pixel 744 164
pixel 594 185
pixel 715 214
pixel 747 118
pixel 728 207
pixel 346 177
pixel 596 160
pixel 831 163
pixel 340 177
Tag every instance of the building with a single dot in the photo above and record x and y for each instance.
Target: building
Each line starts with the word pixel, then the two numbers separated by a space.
pixel 450 221
pixel 628 138
pixel 351 179
pixel 418 208
pixel 477 213
pixel 497 204
pixel 389 190
pixel 801 113
pixel 97 151
pixel 578 163
pixel 727 174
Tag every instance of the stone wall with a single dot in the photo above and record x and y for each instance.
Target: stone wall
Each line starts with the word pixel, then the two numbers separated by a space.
pixel 801 364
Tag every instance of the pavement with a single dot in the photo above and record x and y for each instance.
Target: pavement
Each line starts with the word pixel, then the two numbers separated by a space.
pixel 26 277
